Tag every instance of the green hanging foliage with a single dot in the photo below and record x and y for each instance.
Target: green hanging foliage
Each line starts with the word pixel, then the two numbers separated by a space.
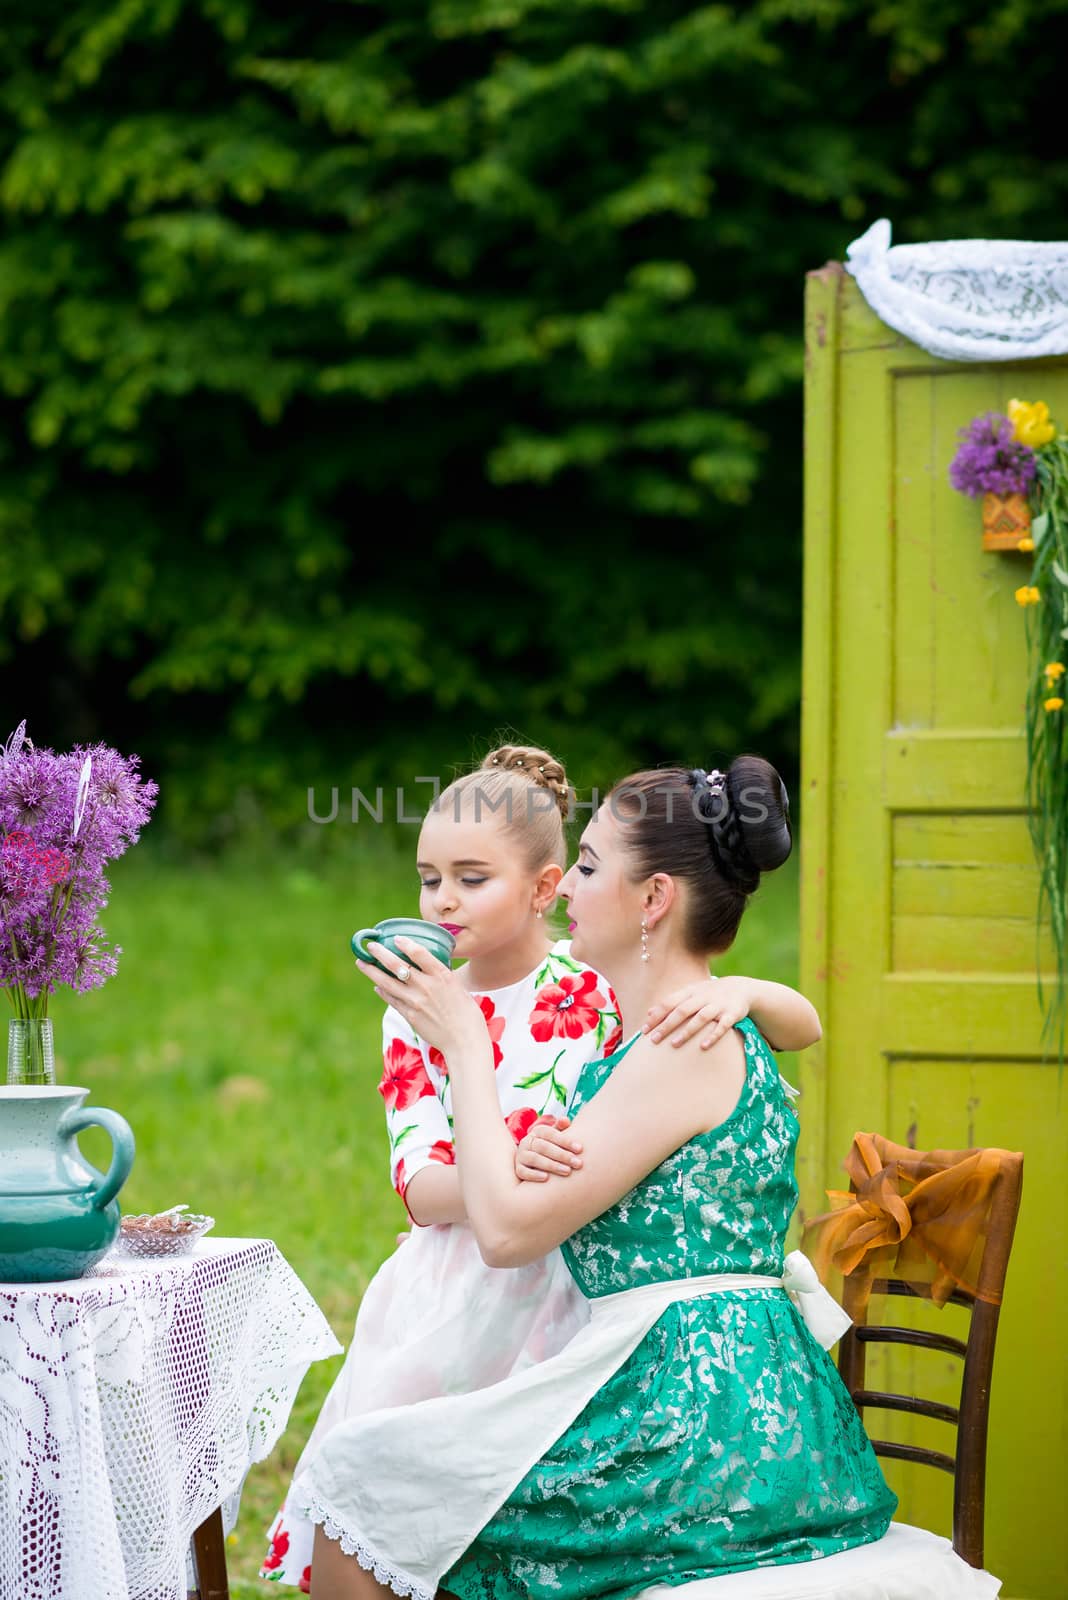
pixel 1047 746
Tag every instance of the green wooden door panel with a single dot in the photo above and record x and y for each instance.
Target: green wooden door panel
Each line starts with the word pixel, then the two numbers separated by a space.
pixel 940 680
pixel 969 1014
pixel 964 944
pixel 930 887
pixel 972 839
pixel 918 884
pixel 955 770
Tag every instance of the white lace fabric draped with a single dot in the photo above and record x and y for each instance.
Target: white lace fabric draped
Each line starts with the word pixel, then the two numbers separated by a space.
pixel 967 299
pixel 132 1402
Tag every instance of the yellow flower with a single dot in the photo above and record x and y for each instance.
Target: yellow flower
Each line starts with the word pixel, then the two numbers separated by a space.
pixel 1027 596
pixel 1026 544
pixel 1030 422
pixel 1054 669
pixel 1054 703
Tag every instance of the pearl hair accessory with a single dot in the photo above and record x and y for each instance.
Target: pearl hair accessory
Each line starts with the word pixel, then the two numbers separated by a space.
pixel 495 761
pixel 713 783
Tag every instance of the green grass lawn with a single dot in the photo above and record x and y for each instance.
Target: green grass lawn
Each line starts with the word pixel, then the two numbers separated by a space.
pixel 243 1048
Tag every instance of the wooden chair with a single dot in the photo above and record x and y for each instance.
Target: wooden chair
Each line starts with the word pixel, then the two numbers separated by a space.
pixel 209 1560
pixel 968 1463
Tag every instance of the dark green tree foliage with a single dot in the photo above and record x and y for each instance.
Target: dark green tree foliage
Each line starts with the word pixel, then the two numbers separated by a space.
pixel 371 374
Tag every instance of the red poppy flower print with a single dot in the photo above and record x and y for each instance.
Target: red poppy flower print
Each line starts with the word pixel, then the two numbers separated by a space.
pixel 614 1040
pixel 494 1027
pixel 443 1151
pixel 404 1080
pixel 400 1182
pixel 519 1123
pixel 305 1580
pixel 279 1546
pixel 567 1009
pixel 438 1061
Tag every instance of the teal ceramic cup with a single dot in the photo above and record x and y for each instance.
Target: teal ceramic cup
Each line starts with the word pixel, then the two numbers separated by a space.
pixel 439 942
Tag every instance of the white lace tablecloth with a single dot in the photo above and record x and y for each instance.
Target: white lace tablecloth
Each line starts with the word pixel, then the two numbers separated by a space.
pixel 132 1403
pixel 968 299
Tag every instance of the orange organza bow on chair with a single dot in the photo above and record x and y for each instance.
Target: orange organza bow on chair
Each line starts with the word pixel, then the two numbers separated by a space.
pixel 925 1218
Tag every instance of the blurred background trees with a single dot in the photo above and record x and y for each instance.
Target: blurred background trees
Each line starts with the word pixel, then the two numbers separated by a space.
pixel 374 377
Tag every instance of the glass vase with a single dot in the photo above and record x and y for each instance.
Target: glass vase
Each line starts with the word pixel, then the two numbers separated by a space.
pixel 30 1054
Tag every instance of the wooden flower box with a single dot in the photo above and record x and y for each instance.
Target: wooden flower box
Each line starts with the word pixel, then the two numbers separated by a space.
pixel 1006 520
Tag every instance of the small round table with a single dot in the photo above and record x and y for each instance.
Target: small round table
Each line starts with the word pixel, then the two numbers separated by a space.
pixel 132 1403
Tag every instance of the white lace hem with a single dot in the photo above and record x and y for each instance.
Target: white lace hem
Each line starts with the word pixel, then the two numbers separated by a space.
pixel 399 1581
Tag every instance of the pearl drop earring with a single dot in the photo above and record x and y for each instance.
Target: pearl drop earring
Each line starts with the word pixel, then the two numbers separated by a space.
pixel 645 941
pixel 538 913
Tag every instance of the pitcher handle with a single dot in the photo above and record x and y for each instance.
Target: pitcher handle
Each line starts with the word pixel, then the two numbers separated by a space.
pixel 122 1153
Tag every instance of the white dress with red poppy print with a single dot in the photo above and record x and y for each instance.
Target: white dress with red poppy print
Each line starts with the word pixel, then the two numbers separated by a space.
pixel 435 1319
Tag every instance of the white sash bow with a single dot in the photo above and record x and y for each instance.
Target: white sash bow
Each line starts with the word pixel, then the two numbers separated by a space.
pixel 824 1317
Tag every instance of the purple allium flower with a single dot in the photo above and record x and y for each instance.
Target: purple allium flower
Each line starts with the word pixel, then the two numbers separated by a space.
pixel 28 875
pixel 990 459
pixel 30 785
pixel 52 882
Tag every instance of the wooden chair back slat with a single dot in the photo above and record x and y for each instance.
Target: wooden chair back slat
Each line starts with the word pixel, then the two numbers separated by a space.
pixel 971 1417
pixel 906 1289
pixel 914 1452
pixel 917 1336
pixel 900 1402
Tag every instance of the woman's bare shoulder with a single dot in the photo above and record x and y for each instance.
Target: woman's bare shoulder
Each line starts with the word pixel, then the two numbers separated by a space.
pixel 710 1081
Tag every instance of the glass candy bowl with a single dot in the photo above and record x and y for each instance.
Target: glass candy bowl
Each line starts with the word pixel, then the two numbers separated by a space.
pixel 165 1233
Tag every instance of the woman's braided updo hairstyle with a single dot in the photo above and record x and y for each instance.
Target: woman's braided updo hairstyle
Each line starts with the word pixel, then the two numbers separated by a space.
pixel 716 831
pixel 526 789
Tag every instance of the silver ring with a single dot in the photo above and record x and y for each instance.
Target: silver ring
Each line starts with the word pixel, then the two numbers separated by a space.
pixel 403 974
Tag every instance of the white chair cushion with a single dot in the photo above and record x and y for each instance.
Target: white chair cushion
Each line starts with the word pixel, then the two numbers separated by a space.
pixel 905 1564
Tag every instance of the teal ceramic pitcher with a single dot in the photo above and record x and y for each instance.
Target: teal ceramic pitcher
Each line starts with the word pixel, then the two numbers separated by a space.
pixel 58 1214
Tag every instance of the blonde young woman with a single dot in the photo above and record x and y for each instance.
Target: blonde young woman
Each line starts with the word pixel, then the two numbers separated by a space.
pixel 696 1428
pixel 436 1319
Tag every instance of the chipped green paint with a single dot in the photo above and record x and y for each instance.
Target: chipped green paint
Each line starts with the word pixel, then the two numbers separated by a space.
pixel 918 882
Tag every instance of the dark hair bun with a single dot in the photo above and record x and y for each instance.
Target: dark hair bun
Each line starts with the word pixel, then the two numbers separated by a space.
pixel 717 831
pixel 759 814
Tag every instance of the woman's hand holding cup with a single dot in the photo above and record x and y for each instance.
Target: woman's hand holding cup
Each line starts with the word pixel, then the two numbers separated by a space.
pixel 426 993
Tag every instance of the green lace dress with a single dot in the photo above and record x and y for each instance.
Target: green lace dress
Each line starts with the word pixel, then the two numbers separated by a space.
pixel 726 1441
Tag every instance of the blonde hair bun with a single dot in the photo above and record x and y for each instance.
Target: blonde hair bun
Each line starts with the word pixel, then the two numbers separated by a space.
pixel 507 783
pixel 538 766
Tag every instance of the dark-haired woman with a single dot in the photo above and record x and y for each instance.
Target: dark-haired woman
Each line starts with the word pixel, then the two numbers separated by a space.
pixel 696 1427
